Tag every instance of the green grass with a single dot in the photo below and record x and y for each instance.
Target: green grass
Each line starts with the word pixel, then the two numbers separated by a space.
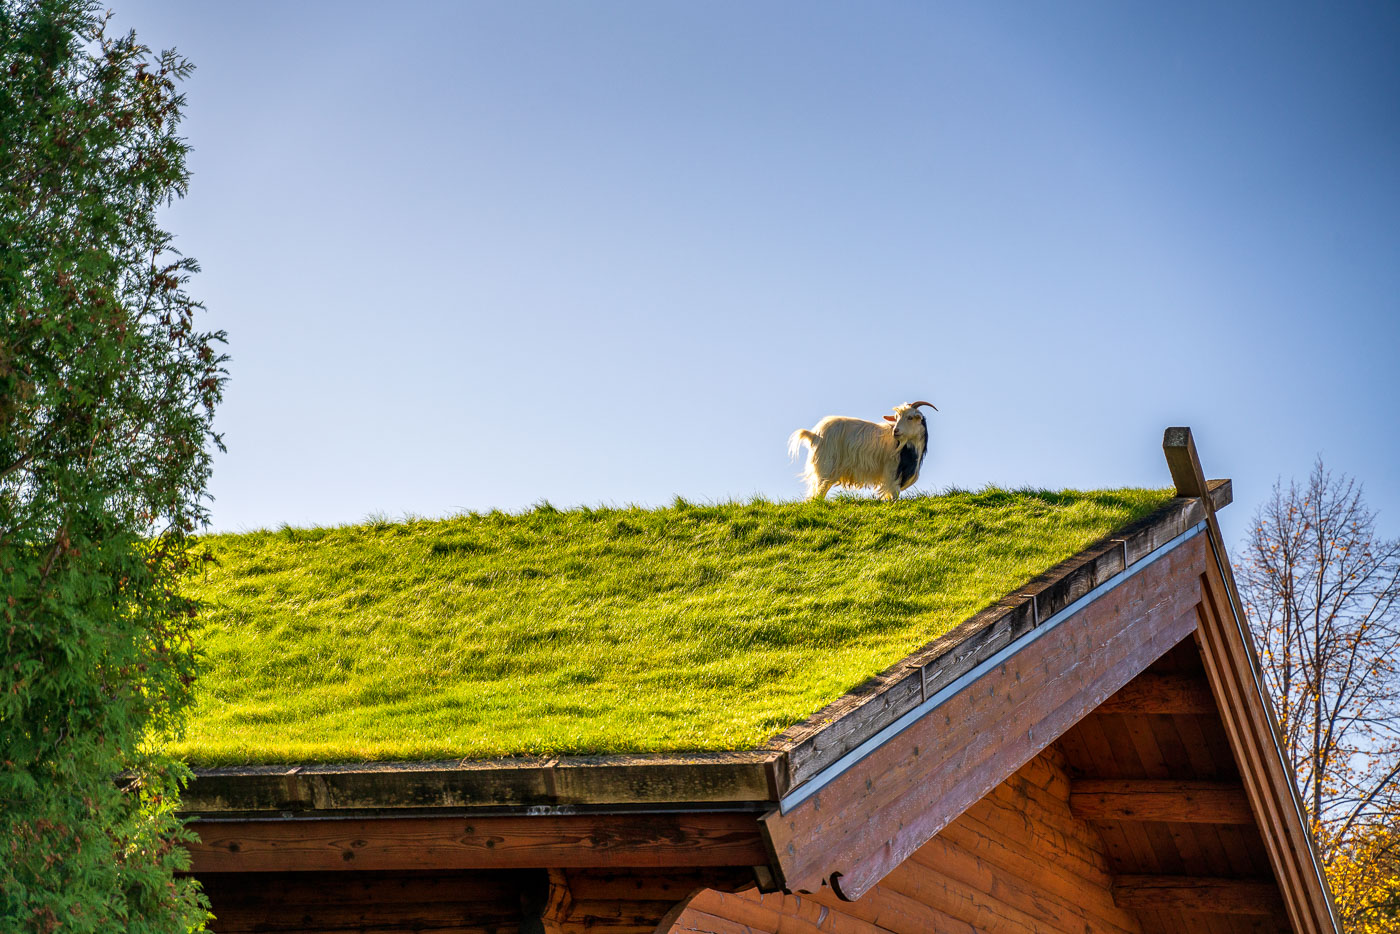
pixel 598 630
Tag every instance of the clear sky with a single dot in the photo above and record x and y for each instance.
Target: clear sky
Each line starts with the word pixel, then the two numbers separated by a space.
pixel 478 255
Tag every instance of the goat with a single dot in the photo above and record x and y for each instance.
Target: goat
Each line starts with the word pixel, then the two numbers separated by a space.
pixel 857 453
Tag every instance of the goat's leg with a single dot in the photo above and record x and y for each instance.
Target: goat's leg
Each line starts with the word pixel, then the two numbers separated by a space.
pixel 821 489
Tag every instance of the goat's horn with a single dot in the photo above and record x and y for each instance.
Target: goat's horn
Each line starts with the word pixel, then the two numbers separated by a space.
pixel 929 404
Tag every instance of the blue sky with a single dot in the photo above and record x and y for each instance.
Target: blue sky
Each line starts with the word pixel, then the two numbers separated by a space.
pixel 479 255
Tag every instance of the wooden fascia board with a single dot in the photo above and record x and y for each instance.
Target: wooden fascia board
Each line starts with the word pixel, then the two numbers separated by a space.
pixel 870 809
pixel 696 839
pixel 1236 680
pixel 733 778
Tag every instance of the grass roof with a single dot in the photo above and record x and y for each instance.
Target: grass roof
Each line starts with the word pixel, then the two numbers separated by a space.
pixel 599 630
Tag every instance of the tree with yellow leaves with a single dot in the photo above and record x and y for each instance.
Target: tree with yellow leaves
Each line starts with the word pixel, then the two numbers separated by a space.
pixel 1322 591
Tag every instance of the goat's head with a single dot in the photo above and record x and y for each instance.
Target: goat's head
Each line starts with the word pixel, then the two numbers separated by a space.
pixel 909 421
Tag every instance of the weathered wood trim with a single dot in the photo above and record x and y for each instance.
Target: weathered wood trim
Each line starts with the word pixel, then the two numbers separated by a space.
pixel 835 730
pixel 1190 893
pixel 868 818
pixel 1233 670
pixel 573 781
pixel 721 840
pixel 1140 799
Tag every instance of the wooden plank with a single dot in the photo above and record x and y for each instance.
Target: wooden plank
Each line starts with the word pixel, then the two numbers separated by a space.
pixel 695 921
pixel 1120 740
pixel 1044 897
pixel 1198 893
pixel 368 888
pixel 1006 829
pixel 985 912
pixel 614 912
pixel 699 839
pixel 1206 747
pixel 1046 771
pixel 479 902
pixel 765 913
pixel 299 919
pixel 894 912
pixel 869 818
pixel 1162 694
pixel 652 884
pixel 1099 758
pixel 575 780
pixel 1168 741
pixel 832 916
pixel 1155 799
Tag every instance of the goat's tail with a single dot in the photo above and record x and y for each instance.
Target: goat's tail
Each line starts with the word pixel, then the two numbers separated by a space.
pixel 796 439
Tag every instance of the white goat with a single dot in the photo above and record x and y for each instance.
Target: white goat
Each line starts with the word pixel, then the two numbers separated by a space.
pixel 857 453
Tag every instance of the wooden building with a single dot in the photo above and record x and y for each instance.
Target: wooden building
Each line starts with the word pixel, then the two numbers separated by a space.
pixel 1094 753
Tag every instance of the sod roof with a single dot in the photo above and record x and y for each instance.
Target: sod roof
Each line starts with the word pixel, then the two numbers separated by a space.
pixel 694 627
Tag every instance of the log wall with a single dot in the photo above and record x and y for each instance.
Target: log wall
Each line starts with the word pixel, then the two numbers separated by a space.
pixel 1016 861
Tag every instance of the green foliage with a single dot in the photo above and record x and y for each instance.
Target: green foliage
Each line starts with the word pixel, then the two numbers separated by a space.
pixel 106 394
pixel 599 630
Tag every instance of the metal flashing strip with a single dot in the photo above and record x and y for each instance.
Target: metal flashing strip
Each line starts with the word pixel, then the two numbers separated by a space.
pixel 897 726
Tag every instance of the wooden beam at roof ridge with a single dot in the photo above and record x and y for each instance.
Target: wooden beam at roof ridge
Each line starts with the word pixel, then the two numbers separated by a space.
pixel 1168 800
pixel 1151 693
pixel 1196 893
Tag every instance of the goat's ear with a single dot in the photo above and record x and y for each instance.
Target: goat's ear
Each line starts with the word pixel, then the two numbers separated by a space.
pixel 891 418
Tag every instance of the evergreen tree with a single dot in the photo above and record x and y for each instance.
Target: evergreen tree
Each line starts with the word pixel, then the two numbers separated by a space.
pixel 107 391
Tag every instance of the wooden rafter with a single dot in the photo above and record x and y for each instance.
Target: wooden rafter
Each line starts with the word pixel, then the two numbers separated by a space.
pixel 1172 694
pixel 1140 799
pixel 1195 893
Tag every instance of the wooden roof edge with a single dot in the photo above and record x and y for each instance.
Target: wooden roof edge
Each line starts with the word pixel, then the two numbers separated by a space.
pixel 706 780
pixel 1236 678
pixel 813 745
pixel 726 779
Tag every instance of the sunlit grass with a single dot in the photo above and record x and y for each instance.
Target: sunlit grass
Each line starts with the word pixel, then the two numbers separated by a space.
pixel 598 630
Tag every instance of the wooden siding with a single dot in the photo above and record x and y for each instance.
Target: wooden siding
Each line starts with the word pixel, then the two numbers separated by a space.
pixel 511 842
pixel 1017 860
